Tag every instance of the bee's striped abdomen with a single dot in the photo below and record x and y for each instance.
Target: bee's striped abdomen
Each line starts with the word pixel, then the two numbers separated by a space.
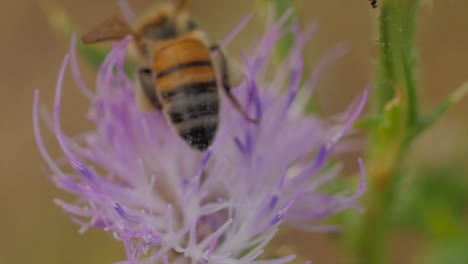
pixel 193 110
pixel 187 88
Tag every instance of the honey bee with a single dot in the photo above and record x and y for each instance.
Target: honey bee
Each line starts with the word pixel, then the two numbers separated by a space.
pixel 178 73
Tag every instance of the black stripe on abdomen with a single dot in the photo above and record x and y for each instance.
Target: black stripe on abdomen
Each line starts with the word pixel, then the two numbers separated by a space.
pixel 188 90
pixel 194 111
pixel 189 111
pixel 183 66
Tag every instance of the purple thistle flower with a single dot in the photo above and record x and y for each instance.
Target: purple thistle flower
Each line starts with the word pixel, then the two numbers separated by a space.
pixel 135 178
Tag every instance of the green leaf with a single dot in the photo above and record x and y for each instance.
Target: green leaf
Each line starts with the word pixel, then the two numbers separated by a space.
pixel 371 122
pixel 428 120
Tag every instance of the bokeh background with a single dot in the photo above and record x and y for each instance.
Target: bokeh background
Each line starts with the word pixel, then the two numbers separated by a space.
pixel 33 230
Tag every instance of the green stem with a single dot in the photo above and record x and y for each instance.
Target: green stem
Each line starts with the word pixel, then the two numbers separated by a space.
pixel 411 93
pixel 397 70
pixel 408 58
pixel 385 87
pixel 378 222
pixel 380 213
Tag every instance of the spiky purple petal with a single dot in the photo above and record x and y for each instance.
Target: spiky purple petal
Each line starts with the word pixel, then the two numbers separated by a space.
pixel 135 178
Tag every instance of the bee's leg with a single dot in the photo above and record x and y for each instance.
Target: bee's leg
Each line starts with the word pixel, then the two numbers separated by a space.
pixel 146 96
pixel 224 68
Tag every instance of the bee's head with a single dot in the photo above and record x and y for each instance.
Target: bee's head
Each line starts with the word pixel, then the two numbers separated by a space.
pixel 167 22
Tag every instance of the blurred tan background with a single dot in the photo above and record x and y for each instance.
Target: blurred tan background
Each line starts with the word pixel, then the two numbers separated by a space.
pixel 33 230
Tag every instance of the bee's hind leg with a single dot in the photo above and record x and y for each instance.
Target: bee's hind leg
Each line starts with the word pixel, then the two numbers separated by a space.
pixel 224 68
pixel 145 93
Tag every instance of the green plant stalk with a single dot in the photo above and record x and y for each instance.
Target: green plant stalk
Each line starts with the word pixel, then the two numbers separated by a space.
pixel 409 55
pixel 379 219
pixel 371 245
pixel 387 75
pixel 397 75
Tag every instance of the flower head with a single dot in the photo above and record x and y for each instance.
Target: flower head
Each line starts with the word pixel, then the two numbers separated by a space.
pixel 135 178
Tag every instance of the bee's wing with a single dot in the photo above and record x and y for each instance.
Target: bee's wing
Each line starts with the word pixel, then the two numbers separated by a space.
pixel 113 28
